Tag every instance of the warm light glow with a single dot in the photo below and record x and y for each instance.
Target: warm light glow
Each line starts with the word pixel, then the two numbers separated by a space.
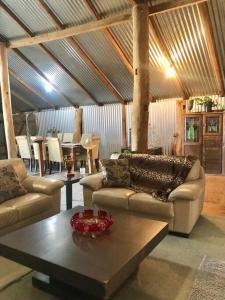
pixel 170 72
pixel 47 84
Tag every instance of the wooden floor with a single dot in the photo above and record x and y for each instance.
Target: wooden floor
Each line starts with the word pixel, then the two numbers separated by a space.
pixel 214 195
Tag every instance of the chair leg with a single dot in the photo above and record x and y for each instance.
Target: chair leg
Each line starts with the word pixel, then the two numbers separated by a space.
pixel 35 165
pixel 50 167
pixel 30 164
pixel 60 167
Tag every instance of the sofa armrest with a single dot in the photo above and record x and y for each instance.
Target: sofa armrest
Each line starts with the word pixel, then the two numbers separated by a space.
pixel 34 184
pixel 190 191
pixel 93 182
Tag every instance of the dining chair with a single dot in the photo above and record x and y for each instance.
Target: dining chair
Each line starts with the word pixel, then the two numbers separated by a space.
pixel 36 151
pixel 82 157
pixel 68 137
pixel 54 153
pixel 24 148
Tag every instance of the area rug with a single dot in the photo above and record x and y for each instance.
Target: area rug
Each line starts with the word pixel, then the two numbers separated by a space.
pixel 210 281
pixel 10 272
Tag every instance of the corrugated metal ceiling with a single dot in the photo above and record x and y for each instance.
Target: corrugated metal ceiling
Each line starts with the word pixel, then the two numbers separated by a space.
pixel 180 30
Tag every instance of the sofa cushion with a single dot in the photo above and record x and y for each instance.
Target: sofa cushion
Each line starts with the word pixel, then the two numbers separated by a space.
pixel 29 205
pixel 145 203
pixel 194 172
pixel 10 187
pixel 115 172
pixel 8 216
pixel 115 197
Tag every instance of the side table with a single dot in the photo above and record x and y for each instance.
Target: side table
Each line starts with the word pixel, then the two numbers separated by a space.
pixel 68 182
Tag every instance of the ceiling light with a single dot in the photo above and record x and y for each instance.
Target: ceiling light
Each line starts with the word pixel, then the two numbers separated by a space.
pixel 170 72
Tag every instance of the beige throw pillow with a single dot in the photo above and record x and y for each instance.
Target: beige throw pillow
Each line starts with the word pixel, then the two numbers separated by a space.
pixel 10 186
pixel 115 172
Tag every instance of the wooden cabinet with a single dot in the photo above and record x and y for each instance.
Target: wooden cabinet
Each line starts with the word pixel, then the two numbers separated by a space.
pixel 204 138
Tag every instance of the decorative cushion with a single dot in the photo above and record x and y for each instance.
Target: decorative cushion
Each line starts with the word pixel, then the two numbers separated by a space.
pixel 115 172
pixel 10 186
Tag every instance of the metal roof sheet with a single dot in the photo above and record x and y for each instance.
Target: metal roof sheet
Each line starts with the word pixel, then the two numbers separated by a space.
pixel 56 75
pixel 9 28
pixel 184 36
pixel 102 53
pixel 25 72
pixel 108 8
pixel 73 61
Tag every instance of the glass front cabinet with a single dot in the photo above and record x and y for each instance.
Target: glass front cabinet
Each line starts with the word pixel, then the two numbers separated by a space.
pixel 204 138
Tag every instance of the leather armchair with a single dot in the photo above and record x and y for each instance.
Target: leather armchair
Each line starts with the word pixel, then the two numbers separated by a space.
pixel 41 201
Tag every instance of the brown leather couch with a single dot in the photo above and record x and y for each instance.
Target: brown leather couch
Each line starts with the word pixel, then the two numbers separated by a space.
pixel 181 211
pixel 41 201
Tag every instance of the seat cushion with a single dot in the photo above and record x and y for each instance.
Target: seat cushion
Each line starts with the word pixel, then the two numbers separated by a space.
pixel 29 205
pixel 115 197
pixel 8 216
pixel 142 202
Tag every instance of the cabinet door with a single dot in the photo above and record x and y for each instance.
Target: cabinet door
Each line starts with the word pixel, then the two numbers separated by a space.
pixel 212 154
pixel 212 124
pixel 192 129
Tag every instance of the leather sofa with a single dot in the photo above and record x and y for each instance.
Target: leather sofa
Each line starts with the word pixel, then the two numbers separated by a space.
pixel 41 201
pixel 181 212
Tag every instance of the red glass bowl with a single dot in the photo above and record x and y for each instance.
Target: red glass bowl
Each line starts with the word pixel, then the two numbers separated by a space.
pixel 91 222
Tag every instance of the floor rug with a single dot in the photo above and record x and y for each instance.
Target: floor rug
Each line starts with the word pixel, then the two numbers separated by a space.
pixel 210 281
pixel 10 272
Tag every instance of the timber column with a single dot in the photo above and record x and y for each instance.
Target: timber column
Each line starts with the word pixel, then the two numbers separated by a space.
pixel 139 133
pixel 78 124
pixel 6 103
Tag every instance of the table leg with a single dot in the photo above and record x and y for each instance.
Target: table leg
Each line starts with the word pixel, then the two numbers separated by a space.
pixel 69 195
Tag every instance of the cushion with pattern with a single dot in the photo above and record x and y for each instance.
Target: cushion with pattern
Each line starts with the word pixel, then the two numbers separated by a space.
pixel 115 172
pixel 10 186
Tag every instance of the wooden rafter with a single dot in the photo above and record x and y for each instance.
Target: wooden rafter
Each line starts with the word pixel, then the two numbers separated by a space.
pixel 28 87
pixel 109 35
pixel 99 24
pixel 47 51
pixel 40 73
pixel 207 27
pixel 160 43
pixel 76 46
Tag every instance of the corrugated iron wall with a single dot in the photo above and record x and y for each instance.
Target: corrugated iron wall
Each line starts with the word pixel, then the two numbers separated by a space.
pixel 104 121
pixel 62 120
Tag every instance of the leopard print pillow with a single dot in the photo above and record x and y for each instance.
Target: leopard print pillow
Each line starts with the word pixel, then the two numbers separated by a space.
pixel 115 172
pixel 10 186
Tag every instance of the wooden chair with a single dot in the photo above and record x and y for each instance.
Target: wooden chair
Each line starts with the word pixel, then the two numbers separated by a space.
pixel 68 137
pixel 36 150
pixel 24 148
pixel 54 153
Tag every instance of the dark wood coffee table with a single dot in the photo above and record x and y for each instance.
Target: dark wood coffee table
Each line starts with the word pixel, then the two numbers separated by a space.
pixel 91 268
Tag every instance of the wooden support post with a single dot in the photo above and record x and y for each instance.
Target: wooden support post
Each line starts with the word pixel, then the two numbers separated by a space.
pixel 78 124
pixel 90 161
pixel 6 103
pixel 141 78
pixel 178 145
pixel 40 159
pixel 124 126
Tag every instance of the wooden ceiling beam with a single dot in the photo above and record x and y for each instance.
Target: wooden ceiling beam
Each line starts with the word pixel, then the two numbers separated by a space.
pixel 153 29
pixel 213 55
pixel 109 35
pixel 41 74
pixel 99 24
pixel 48 52
pixel 77 48
pixel 28 87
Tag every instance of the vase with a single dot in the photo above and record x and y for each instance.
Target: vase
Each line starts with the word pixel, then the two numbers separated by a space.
pixel 69 165
pixel 190 104
pixel 208 108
